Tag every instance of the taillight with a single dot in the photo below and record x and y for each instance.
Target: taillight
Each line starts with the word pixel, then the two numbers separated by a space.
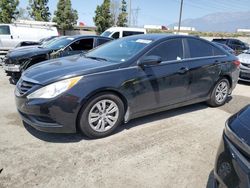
pixel 237 63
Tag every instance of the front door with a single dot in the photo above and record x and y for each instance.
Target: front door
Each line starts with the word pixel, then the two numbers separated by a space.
pixel 170 78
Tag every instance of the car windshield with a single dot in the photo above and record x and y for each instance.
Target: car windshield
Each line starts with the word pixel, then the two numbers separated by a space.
pixel 45 43
pixel 58 43
pixel 119 50
pixel 106 34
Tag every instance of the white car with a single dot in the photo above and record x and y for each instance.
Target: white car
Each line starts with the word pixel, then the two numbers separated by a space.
pixel 119 32
pixel 244 58
pixel 12 34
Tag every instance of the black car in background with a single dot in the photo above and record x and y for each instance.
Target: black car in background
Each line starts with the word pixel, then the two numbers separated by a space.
pixel 124 79
pixel 16 61
pixel 232 166
pixel 237 45
pixel 225 47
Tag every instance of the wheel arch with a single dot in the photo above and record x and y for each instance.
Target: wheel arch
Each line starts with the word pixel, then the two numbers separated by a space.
pixel 97 92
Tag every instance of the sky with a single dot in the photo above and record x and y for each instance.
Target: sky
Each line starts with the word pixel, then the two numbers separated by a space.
pixel 157 12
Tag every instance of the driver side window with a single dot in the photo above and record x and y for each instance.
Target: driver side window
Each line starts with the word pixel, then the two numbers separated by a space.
pixel 82 45
pixel 169 51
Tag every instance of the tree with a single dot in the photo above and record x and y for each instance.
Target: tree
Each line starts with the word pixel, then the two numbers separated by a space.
pixel 23 14
pixel 8 10
pixel 39 10
pixel 114 10
pixel 65 16
pixel 122 18
pixel 103 18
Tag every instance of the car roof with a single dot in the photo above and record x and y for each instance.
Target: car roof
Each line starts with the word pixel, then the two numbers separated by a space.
pixel 156 36
pixel 87 36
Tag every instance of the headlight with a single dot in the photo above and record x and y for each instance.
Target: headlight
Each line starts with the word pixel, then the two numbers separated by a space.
pixel 55 89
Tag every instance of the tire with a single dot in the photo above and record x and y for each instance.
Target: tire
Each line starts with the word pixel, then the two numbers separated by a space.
pixel 219 93
pixel 107 112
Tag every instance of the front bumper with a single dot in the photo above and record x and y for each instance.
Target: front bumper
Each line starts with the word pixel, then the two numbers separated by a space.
pixel 232 168
pixel 54 116
pixel 244 72
pixel 12 68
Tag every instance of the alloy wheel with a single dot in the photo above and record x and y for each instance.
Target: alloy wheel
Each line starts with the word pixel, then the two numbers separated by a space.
pixel 221 92
pixel 103 115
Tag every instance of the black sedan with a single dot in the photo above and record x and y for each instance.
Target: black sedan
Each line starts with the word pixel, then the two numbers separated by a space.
pixel 16 61
pixel 124 79
pixel 232 166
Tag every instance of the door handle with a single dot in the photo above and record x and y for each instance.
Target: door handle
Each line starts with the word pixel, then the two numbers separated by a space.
pixel 183 70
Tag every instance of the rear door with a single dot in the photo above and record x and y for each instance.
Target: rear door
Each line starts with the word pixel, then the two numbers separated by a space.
pixel 170 78
pixel 203 60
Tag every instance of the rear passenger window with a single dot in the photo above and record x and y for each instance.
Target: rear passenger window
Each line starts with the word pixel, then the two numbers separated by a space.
pixel 4 30
pixel 217 51
pixel 169 51
pixel 199 48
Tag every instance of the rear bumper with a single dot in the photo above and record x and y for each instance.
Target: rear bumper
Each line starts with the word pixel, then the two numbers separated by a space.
pixel 232 169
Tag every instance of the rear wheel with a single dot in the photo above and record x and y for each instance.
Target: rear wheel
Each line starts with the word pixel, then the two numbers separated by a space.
pixel 101 115
pixel 220 93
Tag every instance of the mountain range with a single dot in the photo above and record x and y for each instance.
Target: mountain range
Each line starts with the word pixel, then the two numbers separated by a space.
pixel 222 22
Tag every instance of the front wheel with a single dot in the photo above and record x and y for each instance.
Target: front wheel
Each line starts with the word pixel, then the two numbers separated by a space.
pixel 220 93
pixel 102 114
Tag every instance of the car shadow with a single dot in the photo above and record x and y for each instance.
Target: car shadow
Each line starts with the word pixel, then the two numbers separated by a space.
pixel 210 181
pixel 55 137
pixel 244 83
pixel 161 115
pixel 13 81
pixel 77 137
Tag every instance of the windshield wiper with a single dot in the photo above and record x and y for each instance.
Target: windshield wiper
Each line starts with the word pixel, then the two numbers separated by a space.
pixel 96 58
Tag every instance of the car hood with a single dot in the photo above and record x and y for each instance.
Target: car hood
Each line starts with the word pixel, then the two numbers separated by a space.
pixel 61 68
pixel 240 125
pixel 27 52
pixel 24 48
pixel 244 58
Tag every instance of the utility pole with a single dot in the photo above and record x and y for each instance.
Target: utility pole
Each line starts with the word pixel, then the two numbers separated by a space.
pixel 179 26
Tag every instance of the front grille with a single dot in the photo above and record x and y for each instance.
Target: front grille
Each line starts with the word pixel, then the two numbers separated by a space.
pixel 24 86
pixel 245 75
pixel 246 65
pixel 7 60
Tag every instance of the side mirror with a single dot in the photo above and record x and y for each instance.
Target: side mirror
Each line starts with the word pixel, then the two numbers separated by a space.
pixel 149 61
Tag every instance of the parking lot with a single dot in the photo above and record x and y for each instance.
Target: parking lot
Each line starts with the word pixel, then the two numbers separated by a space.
pixel 176 148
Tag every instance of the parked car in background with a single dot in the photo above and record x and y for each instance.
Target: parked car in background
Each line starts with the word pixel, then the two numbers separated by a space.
pixel 124 79
pixel 244 58
pixel 32 43
pixel 237 45
pixel 119 32
pixel 225 47
pixel 17 61
pixel 23 30
pixel 232 165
